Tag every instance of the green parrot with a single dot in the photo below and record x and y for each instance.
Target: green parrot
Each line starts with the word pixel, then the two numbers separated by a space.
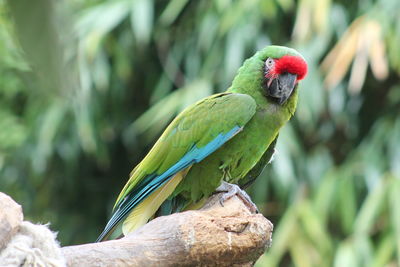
pixel 217 144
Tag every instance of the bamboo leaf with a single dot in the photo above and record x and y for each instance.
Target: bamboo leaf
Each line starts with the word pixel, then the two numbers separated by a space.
pixel 345 255
pixel 394 200
pixel 315 230
pixel 370 210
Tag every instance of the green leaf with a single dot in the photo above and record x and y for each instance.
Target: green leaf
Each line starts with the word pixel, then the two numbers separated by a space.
pixel 370 210
pixel 394 202
pixel 315 230
pixel 142 20
pixel 172 11
pixel 346 200
pixel 13 132
pixel 384 251
pixel 345 255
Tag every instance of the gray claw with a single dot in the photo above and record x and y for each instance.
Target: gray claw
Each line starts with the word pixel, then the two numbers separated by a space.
pixel 231 190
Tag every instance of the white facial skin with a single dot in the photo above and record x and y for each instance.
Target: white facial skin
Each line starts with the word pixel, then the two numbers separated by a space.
pixel 269 65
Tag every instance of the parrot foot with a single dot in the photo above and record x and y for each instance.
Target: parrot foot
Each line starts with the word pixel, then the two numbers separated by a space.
pixel 232 190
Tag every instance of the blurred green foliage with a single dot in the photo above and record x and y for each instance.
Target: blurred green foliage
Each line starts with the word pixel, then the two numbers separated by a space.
pixel 87 86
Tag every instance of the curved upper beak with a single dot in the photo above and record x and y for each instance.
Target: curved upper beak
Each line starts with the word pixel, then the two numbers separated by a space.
pixel 282 87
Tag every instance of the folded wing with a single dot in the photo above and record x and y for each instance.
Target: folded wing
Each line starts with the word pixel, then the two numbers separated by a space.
pixel 193 135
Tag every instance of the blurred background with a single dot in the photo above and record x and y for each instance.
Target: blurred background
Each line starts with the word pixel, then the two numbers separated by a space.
pixel 87 86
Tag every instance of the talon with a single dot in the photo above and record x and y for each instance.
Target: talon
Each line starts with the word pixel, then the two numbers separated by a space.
pixel 231 190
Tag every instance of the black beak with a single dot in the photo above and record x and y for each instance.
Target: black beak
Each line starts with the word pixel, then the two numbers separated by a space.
pixel 282 87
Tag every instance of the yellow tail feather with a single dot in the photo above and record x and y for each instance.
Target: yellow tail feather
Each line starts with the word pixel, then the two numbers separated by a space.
pixel 146 209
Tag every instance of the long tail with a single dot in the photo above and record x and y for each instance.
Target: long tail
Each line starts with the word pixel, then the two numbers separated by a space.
pixel 144 209
pixel 148 207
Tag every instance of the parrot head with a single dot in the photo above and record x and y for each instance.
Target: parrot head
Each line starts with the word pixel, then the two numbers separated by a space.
pixel 283 69
pixel 272 74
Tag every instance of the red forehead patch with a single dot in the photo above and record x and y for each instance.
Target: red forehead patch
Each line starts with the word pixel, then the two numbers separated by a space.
pixel 291 64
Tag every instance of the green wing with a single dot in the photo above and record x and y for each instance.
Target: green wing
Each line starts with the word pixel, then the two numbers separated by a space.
pixel 197 125
pixel 194 134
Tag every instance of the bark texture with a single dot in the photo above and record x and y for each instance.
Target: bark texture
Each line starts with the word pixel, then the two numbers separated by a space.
pixel 213 236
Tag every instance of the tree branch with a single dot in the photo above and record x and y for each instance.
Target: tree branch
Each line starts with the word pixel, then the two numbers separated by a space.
pixel 212 236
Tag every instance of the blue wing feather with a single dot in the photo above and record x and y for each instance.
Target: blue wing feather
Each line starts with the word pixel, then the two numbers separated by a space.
pixel 153 181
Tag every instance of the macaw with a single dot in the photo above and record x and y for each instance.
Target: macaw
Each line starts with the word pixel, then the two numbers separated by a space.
pixel 221 140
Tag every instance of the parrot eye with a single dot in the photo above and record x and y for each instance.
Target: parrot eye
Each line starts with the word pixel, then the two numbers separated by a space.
pixel 269 64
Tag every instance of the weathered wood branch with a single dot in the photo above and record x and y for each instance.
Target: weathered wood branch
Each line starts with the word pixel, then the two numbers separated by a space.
pixel 213 236
pixel 10 219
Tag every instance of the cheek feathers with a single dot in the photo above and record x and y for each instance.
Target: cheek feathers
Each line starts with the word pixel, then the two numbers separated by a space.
pixel 291 64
